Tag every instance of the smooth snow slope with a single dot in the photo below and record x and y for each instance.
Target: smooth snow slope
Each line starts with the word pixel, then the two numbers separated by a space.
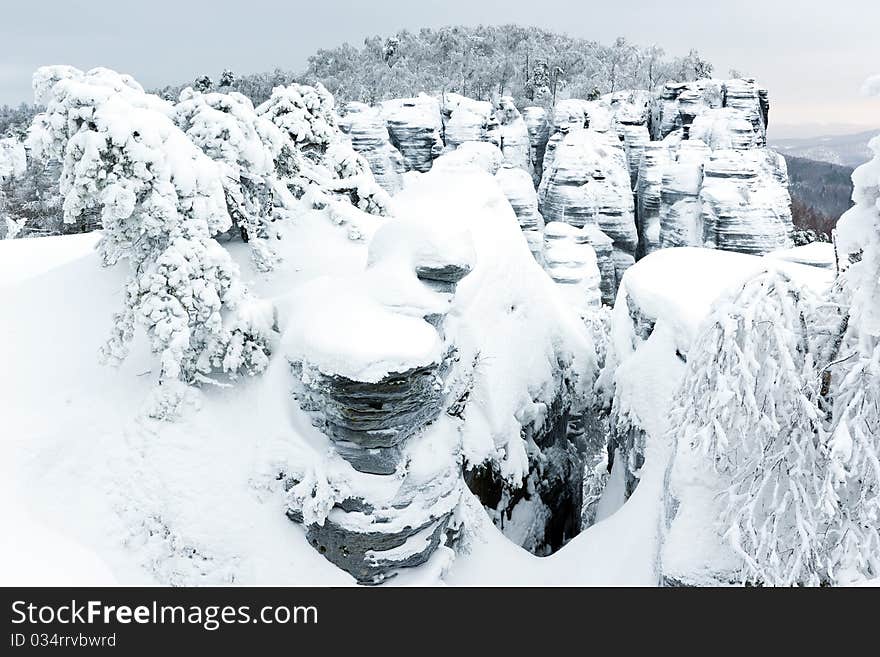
pixel 22 259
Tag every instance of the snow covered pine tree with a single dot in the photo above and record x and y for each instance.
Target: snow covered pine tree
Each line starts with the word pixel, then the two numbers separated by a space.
pixel 161 201
pixel 324 160
pixel 246 147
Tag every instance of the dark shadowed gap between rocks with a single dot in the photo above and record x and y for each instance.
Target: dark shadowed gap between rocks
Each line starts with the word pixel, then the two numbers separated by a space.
pixel 552 492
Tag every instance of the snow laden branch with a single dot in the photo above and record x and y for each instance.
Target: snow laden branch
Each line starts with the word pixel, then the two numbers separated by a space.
pixel 323 162
pixel 246 148
pixel 13 162
pixel 781 401
pixel 161 201
pixel 749 404
pixel 854 390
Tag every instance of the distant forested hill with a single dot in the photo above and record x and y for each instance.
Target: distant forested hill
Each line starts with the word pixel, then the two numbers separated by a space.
pixel 823 186
pixel 820 192
pixel 846 150
pixel 533 65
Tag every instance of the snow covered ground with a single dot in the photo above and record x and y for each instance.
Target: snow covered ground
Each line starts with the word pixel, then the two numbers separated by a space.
pixel 133 500
pixel 96 492
pixel 93 492
pixel 23 259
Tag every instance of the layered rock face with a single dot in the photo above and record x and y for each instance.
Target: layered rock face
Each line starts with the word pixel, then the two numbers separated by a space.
pixel 735 200
pixel 680 206
pixel 399 521
pixel 738 202
pixel 752 101
pixel 650 170
pixel 629 111
pixel 725 128
pixel 369 136
pixel 635 139
pixel 603 247
pixel 368 422
pixel 539 132
pixel 649 184
pixel 719 186
pixel 745 201
pixel 680 104
pixel 590 167
pixel 517 186
pixel 414 126
pixel 377 406
pixel 377 427
pixel 571 262
pixel 515 139
pixel 588 183
pixel 465 119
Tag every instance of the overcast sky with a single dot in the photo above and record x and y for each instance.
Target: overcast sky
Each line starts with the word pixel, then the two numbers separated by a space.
pixel 812 54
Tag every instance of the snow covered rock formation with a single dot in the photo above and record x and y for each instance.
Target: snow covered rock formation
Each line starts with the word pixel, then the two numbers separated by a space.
pixel 518 187
pixel 526 363
pixel 745 201
pixel 773 479
pixel 372 368
pixel 734 200
pixel 465 119
pixel 681 221
pixel 408 385
pixel 629 111
pixel 539 132
pixel 587 183
pixel 369 136
pixel 515 138
pixel 571 262
pixel 481 154
pixel 720 186
pixel 414 125
pixel 662 306
pixel 649 185
pixel 685 166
